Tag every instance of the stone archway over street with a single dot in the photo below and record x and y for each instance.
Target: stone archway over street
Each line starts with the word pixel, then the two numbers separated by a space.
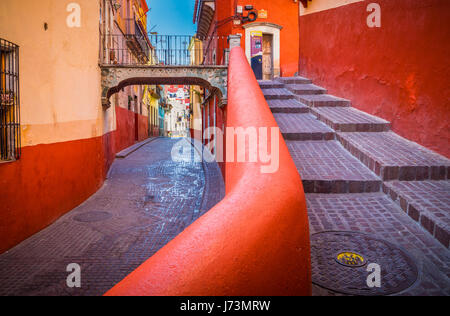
pixel 116 77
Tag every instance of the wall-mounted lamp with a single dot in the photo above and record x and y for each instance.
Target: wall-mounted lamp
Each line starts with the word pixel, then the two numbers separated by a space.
pixel 240 18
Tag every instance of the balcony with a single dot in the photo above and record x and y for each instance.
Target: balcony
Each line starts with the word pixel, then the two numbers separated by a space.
pixel 137 40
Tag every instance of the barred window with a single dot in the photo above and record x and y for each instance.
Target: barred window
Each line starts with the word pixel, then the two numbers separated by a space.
pixel 9 101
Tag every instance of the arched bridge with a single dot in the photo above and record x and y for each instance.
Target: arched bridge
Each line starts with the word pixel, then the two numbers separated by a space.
pixel 116 77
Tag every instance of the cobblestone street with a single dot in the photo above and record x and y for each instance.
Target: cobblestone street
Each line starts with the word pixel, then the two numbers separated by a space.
pixel 205 148
pixel 146 202
pixel 377 215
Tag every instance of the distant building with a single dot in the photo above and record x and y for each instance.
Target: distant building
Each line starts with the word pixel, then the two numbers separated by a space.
pixel 196 92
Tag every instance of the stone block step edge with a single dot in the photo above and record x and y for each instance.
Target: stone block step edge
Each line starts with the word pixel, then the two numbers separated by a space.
pixel 290 110
pixel 353 127
pixel 294 80
pixel 275 85
pixel 402 173
pixel 342 186
pixel 438 232
pixel 315 90
pixel 337 102
pixel 306 136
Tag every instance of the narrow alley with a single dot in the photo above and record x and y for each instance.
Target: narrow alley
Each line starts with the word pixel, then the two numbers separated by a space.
pixel 201 149
pixel 147 200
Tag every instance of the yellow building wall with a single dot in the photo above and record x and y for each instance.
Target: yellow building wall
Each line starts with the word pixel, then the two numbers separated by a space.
pixel 196 106
pixel 153 105
pixel 60 83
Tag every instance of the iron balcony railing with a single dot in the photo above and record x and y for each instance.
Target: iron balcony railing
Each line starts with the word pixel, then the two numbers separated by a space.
pixel 170 50
pixel 137 39
pixel 9 101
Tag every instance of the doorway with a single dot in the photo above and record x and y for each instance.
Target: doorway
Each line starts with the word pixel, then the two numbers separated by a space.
pixel 270 51
pixel 267 57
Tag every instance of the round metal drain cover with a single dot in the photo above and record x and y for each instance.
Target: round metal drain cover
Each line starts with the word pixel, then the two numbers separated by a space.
pixel 351 259
pixel 91 217
pixel 340 263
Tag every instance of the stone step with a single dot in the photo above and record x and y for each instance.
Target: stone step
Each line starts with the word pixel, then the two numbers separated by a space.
pixel 321 100
pixel 287 106
pixel 394 158
pixel 296 126
pixel 427 202
pixel 326 167
pixel 269 84
pixel 278 94
pixel 305 89
pixel 293 80
pixel 347 119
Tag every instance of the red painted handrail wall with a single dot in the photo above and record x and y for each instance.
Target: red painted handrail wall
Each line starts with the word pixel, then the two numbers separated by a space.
pixel 254 242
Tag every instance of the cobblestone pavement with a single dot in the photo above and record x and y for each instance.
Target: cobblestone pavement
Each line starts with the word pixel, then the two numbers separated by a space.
pixel 379 216
pixel 146 202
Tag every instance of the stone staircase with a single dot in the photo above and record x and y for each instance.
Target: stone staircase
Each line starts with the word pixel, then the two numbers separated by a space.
pixel 340 150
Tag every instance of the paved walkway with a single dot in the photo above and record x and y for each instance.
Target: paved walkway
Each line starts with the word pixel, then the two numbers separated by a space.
pixel 146 202
pixel 361 177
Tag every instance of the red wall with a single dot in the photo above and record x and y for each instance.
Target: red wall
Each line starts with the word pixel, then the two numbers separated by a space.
pixel 125 135
pixel 142 127
pixel 400 72
pixel 221 121
pixel 50 180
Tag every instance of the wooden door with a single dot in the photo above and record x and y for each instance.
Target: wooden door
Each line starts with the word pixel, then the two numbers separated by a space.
pixel 267 56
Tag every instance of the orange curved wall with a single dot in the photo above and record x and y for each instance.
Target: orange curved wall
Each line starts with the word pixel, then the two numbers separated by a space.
pixel 254 242
pixel 400 72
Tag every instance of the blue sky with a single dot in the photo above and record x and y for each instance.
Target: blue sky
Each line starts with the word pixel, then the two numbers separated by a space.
pixel 172 17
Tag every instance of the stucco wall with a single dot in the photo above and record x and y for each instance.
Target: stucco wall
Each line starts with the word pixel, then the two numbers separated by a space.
pixel 59 74
pixel 69 141
pixel 399 72
pixel 283 13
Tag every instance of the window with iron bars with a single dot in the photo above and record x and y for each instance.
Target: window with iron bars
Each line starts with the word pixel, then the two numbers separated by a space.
pixel 9 101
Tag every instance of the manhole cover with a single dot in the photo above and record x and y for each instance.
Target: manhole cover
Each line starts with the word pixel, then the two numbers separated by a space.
pixel 91 217
pixel 340 261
